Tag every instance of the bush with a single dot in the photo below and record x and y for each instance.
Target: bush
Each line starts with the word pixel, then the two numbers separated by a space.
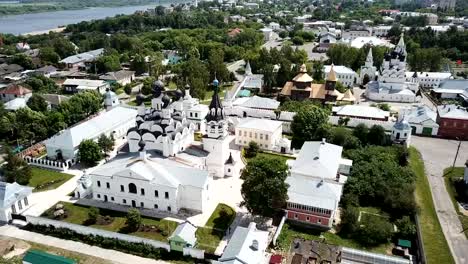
pixel 133 219
pixel 374 230
pixel 406 228
pixel 298 41
pixel 93 215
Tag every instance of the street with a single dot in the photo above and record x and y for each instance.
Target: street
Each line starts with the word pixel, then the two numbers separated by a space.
pixel 439 154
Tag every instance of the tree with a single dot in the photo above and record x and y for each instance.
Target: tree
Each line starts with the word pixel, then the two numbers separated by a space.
pixel 406 227
pixel 37 103
pixel 93 215
pixel 361 131
pixel 377 136
pixel 133 219
pixel 264 189
pixel 128 89
pixel 317 71
pixel 298 41
pixel 252 150
pixel 138 64
pixel 63 47
pixel 310 123
pixel 16 169
pixel 48 55
pixel 89 152
pixel 108 63
pixel 344 137
pixel 349 220
pixel 106 143
pixel 22 60
pixel 374 230
pixel 42 84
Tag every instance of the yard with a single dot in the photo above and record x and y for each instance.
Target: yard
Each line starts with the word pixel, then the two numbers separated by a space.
pixel 43 179
pixel 435 246
pixel 282 158
pixel 451 177
pixel 156 229
pixel 289 233
pixel 209 236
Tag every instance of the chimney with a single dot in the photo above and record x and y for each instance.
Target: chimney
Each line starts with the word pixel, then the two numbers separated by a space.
pixel 324 140
pixel 254 245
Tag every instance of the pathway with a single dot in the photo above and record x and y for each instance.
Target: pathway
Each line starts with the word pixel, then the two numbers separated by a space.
pixel 111 255
pixel 438 154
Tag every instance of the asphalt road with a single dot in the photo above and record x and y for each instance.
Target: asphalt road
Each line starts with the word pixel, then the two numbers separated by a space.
pixel 439 154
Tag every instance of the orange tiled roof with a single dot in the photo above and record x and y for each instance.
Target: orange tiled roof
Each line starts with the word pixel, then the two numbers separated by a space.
pixel 15 89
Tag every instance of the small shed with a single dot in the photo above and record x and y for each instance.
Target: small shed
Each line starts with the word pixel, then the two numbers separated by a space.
pixel 404 243
pixel 183 236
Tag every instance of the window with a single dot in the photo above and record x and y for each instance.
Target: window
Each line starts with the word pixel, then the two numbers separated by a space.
pixel 245 133
pixel 122 189
pixel 142 191
pixel 190 114
pixel 132 188
pixel 295 216
pixel 319 221
pixel 124 201
pixel 107 185
pixel 155 206
pixel 112 198
pixel 308 218
pixel 13 209
pixel 156 194
pixel 250 134
pixel 196 114
pixel 229 170
pixel 26 201
pixel 166 195
pixel 98 183
pixel 261 136
pixel 266 136
pixel 20 206
pixel 169 208
pixel 98 196
pixel 255 135
pixel 142 204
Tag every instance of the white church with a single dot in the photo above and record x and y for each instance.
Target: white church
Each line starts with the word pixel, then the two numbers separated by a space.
pixel 392 85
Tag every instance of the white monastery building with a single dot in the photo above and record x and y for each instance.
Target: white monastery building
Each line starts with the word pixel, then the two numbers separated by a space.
pixel 265 132
pixel 13 199
pixel 116 122
pixel 345 75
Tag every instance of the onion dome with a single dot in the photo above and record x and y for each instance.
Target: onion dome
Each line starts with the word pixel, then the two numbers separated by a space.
pixel 166 100
pixel 179 94
pixel 140 98
pixel 158 88
pixel 142 145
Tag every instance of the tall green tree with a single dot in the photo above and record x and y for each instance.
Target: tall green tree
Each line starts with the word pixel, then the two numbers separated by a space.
pixel 37 103
pixel 16 169
pixel 106 143
pixel 48 55
pixel 309 124
pixel 89 152
pixel 264 189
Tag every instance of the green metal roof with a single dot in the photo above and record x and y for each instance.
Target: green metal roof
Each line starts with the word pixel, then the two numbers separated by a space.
pixel 244 93
pixel 404 243
pixel 41 257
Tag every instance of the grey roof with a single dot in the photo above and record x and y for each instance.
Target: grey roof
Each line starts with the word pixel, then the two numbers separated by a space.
pixel 116 76
pixel 260 124
pixel 161 172
pixel 186 231
pixel 47 69
pixel 452 111
pixel 314 192
pixel 388 88
pixel 254 81
pixel 261 102
pixel 454 84
pixel 12 192
pixel 83 57
pixel 419 114
pixel 239 248
pixel 402 124
pixel 9 68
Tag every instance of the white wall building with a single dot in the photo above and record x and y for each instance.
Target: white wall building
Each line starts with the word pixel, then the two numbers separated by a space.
pixel 380 31
pixel 14 91
pixel 368 70
pixel 266 133
pixel 451 89
pixel 141 182
pixel 345 75
pixel 359 42
pixel 79 85
pixel 428 79
pixel 115 122
pixel 390 92
pixel 351 34
pixel 267 33
pixel 422 119
pixel 13 199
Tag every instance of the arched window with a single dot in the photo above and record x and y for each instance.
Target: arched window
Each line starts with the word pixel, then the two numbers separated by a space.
pixel 132 188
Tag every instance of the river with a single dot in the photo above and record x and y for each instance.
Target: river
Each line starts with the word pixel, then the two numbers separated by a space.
pixel 26 23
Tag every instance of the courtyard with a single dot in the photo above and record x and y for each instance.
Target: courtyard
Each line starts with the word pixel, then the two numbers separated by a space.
pixel 44 179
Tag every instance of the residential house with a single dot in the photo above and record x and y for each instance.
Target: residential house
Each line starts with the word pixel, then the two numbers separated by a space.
pixel 274 26
pixel 390 92
pixel 116 122
pixel 22 46
pixel 171 57
pixel 13 200
pixel 15 104
pixel 453 122
pixel 184 236
pixel 14 91
pixel 122 77
pixel 450 89
pixel 316 183
pixel 6 69
pixel 80 85
pixel 46 71
pixel 81 60
pixel 428 79
pixel 267 33
pixel 265 132
pixel 247 245
pixel 156 184
pixel 326 39
pixel 423 120
pixel 360 42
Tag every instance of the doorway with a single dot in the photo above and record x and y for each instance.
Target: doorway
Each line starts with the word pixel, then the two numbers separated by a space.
pixel 133 203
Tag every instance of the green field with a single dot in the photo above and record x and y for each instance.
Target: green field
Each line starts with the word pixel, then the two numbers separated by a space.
pixel 43 179
pixel 435 246
pixel 450 176
pixel 208 237
pixel 78 214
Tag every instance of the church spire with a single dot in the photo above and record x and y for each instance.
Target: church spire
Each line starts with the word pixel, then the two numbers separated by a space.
pixel 369 56
pixel 216 108
pixel 401 47
pixel 248 69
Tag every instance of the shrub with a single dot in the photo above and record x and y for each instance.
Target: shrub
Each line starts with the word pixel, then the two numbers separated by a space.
pixel 252 150
pixel 133 219
pixel 93 215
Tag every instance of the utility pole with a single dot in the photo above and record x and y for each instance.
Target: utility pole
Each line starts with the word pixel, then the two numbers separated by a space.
pixel 456 154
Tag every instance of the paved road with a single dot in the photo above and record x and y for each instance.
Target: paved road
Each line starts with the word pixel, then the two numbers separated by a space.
pixel 438 154
pixel 111 255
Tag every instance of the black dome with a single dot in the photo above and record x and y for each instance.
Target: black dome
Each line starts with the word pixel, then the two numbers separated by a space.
pixel 158 88
pixel 166 100
pixel 140 98
pixel 179 94
pixel 142 145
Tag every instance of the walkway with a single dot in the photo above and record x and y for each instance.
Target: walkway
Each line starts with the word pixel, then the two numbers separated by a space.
pixel 111 255
pixel 438 154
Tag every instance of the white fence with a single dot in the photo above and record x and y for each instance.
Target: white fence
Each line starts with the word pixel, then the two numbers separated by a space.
pixel 278 230
pixel 194 253
pixel 85 230
pixel 49 164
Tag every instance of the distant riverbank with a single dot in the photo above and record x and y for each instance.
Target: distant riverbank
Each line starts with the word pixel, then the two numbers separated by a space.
pixel 17 8
pixel 27 23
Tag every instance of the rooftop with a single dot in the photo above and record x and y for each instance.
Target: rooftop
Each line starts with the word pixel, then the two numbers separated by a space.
pixel 452 111
pixel 16 90
pixel 260 124
pixel 11 192
pixel 83 57
pixel 361 111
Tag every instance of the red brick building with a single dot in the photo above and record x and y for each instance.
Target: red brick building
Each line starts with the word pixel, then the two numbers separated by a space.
pixel 315 183
pixel 453 122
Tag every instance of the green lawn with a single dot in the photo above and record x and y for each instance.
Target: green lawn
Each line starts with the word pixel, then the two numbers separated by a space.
pixel 78 214
pixel 208 237
pixel 43 179
pixel 435 245
pixel 450 176
pixel 282 158
pixel 289 233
